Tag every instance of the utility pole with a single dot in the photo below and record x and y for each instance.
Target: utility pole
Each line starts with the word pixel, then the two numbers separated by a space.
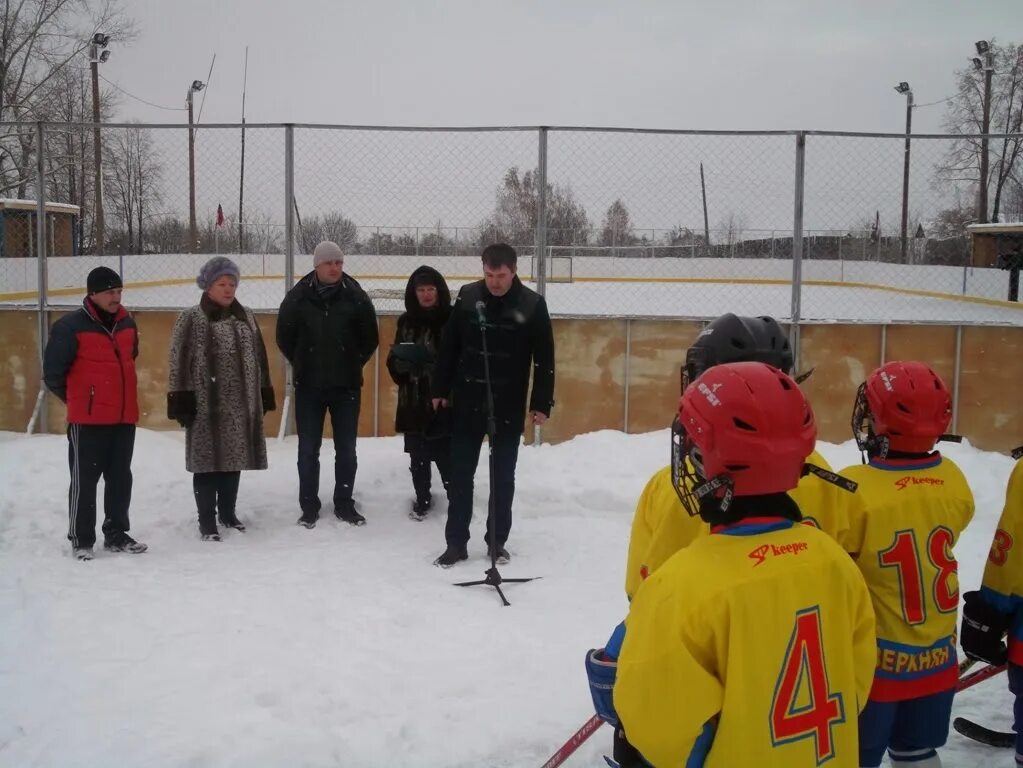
pixel 99 41
pixel 988 66
pixel 904 88
pixel 197 85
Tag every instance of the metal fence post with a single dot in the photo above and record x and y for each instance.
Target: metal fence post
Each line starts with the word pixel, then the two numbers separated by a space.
pixel 43 327
pixel 289 260
pixel 540 247
pixel 957 373
pixel 797 247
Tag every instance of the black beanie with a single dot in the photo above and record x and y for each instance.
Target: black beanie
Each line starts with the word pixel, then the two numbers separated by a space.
pixel 102 279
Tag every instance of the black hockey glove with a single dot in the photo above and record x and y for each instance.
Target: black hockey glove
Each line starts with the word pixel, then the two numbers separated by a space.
pixel 982 630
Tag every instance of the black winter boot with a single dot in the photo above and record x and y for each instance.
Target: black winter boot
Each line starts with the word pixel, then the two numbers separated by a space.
pixel 452 555
pixel 421 507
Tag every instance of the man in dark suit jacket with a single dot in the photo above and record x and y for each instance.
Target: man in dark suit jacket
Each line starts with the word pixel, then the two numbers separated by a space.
pixel 520 340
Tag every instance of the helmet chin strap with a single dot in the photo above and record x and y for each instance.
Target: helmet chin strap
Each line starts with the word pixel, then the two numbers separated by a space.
pixel 709 489
pixel 830 477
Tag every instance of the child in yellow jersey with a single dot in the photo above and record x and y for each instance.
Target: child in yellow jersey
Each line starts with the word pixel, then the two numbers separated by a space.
pixel 660 527
pixel 754 645
pixel 998 606
pixel 914 503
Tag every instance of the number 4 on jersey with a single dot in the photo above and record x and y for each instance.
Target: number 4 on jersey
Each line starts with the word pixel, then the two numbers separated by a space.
pixel 804 707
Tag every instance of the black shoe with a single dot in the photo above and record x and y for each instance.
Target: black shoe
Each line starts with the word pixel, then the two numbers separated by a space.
pixel 503 558
pixel 308 519
pixel 122 542
pixel 421 508
pixel 346 512
pixel 210 537
pixel 451 556
pixel 232 521
pixel 82 553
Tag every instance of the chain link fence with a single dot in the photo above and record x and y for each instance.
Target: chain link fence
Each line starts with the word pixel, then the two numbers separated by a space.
pixel 807 227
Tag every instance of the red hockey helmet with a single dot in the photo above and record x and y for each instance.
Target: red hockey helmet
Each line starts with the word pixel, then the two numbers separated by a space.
pixel 743 429
pixel 902 406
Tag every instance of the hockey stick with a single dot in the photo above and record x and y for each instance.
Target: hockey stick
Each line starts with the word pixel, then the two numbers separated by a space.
pixel 978 733
pixel 982 674
pixel 576 740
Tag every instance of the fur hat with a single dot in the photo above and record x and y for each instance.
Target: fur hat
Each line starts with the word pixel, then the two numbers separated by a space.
pixel 102 279
pixel 216 268
pixel 327 251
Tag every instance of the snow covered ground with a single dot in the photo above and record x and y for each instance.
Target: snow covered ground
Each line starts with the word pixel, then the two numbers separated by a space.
pixel 339 646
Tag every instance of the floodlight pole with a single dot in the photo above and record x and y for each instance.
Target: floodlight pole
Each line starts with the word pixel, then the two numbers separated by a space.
pixel 99 40
pixel 904 88
pixel 192 237
pixel 984 61
pixel 989 68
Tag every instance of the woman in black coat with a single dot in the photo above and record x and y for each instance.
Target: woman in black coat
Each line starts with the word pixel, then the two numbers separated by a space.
pixel 410 363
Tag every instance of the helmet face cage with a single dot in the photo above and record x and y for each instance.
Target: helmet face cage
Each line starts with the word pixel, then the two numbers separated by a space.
pixel 687 474
pixel 863 427
pixel 697 361
pixel 861 430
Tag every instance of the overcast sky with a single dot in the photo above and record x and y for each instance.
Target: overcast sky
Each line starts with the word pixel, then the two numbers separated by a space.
pixel 729 64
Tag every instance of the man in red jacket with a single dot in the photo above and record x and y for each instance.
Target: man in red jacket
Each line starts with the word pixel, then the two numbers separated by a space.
pixel 90 365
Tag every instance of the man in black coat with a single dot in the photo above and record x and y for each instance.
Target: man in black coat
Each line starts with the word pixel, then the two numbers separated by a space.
pixel 520 340
pixel 327 329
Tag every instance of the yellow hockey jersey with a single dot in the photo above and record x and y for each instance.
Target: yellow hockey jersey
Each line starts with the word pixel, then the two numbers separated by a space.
pixel 753 646
pixel 1003 574
pixel 909 518
pixel 661 526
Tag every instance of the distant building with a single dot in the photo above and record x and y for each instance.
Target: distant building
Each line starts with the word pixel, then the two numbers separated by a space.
pixel 989 241
pixel 18 230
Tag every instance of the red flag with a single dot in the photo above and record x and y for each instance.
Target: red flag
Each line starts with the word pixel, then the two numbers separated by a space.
pixel 220 216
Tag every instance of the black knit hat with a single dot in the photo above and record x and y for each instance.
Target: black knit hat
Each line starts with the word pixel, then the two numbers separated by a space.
pixel 102 279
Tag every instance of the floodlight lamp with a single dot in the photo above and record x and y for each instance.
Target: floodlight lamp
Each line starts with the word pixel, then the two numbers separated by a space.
pixel 978 64
pixel 902 87
pixel 198 85
pixel 104 56
pixel 100 39
pixel 982 46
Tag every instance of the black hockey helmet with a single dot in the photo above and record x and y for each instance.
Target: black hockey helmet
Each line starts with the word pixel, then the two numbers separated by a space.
pixel 735 339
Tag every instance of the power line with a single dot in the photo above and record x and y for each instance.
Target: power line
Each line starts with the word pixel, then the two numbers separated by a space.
pixel 940 101
pixel 208 76
pixel 137 98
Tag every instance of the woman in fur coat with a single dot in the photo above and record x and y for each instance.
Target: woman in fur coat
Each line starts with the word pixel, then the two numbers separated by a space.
pixel 218 390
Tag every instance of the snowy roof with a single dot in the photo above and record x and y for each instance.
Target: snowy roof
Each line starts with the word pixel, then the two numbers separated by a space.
pixel 31 205
pixel 996 229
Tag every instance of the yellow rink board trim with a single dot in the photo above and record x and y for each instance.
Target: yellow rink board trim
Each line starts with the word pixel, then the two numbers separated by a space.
pixel 696 280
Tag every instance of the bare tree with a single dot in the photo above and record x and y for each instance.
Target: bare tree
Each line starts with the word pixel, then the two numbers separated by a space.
pixel 331 226
pixel 133 177
pixel 961 164
pixel 39 40
pixel 617 229
pixel 69 155
pixel 516 212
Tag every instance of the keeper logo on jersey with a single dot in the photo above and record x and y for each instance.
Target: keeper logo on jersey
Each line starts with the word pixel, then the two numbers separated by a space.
pixel 760 553
pixel 903 482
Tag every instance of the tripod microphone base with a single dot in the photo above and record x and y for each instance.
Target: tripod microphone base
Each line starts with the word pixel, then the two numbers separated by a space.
pixel 495 579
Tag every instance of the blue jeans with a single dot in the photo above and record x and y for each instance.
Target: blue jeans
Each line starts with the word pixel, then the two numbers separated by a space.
pixel 311 405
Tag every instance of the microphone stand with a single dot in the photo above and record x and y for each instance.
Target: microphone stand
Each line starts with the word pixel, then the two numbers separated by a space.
pixel 493 576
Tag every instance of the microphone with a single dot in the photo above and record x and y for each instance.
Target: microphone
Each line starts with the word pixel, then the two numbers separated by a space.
pixel 481 312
